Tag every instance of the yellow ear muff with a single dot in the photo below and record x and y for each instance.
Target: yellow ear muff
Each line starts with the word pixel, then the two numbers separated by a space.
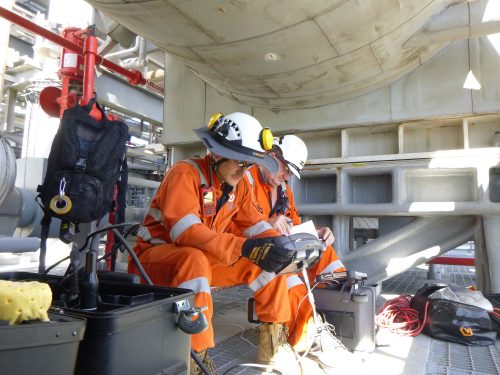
pixel 214 119
pixel 266 139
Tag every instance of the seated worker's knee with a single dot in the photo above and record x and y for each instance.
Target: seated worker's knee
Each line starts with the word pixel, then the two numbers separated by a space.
pixel 195 262
pixel 195 256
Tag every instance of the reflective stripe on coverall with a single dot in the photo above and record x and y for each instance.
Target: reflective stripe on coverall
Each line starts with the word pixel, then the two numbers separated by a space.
pixel 329 261
pixel 179 247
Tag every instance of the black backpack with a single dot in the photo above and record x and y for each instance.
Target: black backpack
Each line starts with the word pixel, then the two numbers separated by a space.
pixel 84 165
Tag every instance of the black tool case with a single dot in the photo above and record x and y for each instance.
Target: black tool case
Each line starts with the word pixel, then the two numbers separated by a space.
pixel 351 312
pixel 132 331
pixel 36 347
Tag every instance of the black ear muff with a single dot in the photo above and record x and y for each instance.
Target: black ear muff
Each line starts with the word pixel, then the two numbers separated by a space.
pixel 266 139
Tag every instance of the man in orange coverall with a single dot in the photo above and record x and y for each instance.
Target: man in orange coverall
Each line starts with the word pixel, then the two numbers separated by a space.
pixel 184 234
pixel 277 202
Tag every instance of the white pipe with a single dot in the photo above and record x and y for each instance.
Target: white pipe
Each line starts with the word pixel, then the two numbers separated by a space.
pixel 126 52
pixel 142 63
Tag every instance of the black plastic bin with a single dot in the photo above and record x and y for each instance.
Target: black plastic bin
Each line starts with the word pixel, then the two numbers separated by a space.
pixel 133 331
pixel 36 347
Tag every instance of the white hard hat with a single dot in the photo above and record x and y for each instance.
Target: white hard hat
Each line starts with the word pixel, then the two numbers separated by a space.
pixel 293 151
pixel 239 136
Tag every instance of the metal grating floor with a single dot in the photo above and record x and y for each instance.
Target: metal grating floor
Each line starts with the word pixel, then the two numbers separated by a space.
pixel 410 281
pixel 447 358
pixel 235 351
pixel 454 359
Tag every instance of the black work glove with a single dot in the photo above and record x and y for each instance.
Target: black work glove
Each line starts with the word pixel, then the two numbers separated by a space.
pixel 272 254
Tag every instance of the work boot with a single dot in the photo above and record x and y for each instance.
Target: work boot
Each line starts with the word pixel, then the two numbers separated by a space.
pixel 194 369
pixel 330 353
pixel 274 349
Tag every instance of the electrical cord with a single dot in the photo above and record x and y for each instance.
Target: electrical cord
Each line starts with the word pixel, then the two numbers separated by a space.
pixel 104 229
pixel 72 271
pixel 325 326
pixel 132 254
pixel 300 303
pixel 116 246
pixel 122 242
pixel 398 317
pixel 241 334
pixel 254 365
pixel 199 362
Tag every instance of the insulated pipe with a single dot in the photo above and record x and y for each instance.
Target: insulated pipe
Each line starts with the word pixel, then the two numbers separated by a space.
pixel 19 244
pixel 125 52
pixel 134 181
pixel 142 167
pixel 142 56
pixel 7 170
pixel 141 61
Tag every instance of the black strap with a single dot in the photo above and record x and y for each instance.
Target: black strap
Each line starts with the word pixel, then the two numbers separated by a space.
pixel 281 204
pixel 45 223
pixel 121 200
pixel 226 189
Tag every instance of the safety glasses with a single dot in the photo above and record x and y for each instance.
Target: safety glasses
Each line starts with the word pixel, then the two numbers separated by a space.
pixel 284 162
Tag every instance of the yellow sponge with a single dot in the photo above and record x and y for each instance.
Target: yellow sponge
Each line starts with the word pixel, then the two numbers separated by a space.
pixel 24 300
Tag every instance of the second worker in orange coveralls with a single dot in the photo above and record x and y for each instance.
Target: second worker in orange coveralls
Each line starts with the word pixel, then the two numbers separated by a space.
pixel 184 235
pixel 277 202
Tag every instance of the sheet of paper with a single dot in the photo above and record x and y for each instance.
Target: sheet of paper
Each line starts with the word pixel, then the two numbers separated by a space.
pixel 307 227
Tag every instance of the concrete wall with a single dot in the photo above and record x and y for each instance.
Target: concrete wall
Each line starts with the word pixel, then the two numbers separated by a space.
pixel 434 90
pixel 422 146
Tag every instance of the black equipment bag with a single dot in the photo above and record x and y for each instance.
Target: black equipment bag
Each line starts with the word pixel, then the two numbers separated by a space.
pixel 451 320
pixel 84 163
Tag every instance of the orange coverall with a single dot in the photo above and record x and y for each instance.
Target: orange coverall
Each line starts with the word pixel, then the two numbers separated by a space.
pixel 329 261
pixel 179 247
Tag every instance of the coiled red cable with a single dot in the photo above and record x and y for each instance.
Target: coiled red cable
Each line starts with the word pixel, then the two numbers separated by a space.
pixel 397 316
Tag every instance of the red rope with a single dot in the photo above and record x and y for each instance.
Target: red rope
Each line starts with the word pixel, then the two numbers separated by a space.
pixel 495 312
pixel 397 316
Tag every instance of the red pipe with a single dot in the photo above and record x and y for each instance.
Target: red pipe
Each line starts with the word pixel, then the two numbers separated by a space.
pixel 63 99
pixel 90 51
pixel 134 77
pixel 23 22
pixel 453 261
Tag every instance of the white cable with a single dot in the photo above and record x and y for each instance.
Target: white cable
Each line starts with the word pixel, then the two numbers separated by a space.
pixel 300 303
pixel 241 334
pixel 310 295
